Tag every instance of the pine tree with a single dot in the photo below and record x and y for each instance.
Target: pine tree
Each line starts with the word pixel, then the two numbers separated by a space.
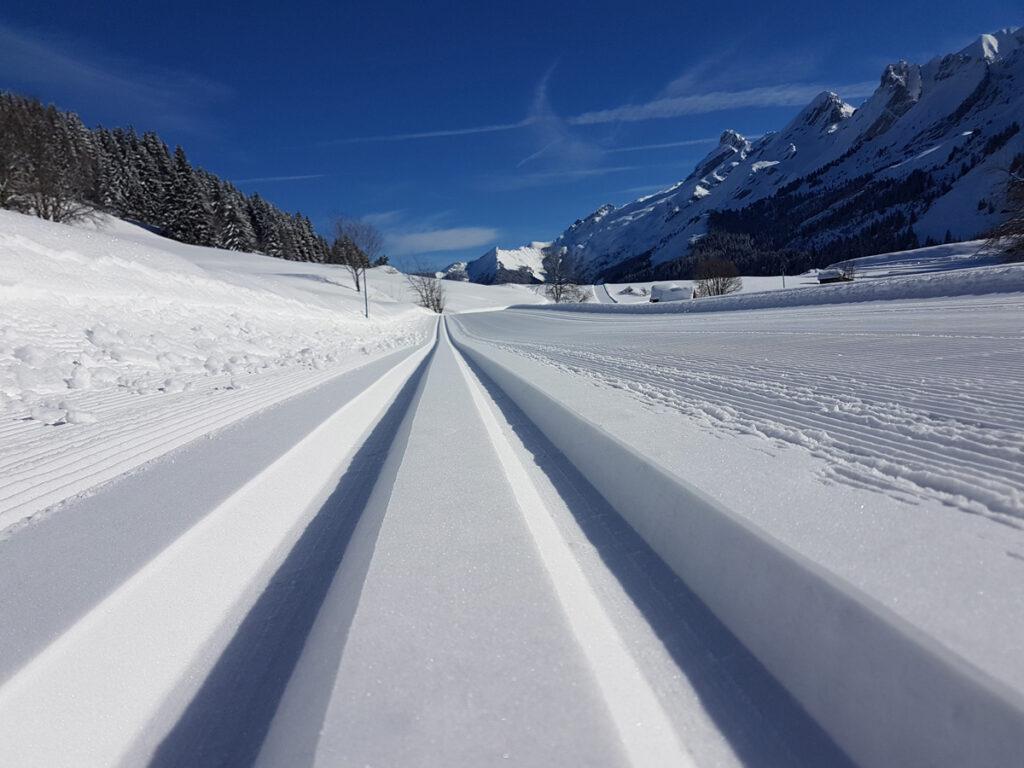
pixel 156 176
pixel 234 231
pixel 264 224
pixel 186 212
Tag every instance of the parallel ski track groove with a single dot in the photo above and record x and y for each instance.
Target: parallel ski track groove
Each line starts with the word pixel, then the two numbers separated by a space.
pixel 985 452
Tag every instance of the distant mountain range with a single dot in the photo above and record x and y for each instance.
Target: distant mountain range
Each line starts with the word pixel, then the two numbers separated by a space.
pixel 922 161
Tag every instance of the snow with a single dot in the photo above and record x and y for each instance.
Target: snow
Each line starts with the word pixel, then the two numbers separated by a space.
pixel 444 513
pixel 639 293
pixel 900 275
pixel 117 345
pixel 375 588
pixel 144 646
pixel 528 259
pixel 504 536
pixel 877 445
pixel 665 292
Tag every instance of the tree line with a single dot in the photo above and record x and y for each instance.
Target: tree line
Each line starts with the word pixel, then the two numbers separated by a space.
pixel 54 167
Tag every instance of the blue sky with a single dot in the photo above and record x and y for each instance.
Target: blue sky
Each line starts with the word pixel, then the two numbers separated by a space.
pixel 459 126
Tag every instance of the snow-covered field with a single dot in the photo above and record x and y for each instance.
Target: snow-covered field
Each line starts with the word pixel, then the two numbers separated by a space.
pixel 920 261
pixel 117 345
pixel 640 293
pixel 244 525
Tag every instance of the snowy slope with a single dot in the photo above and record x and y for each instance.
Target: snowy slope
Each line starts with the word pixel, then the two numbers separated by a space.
pixel 508 265
pixel 117 345
pixel 917 159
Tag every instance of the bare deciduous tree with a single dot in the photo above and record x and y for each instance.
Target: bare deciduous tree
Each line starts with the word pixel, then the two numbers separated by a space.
pixel 13 162
pixel 1008 237
pixel 561 277
pixel 357 244
pixel 717 277
pixel 429 292
pixel 46 168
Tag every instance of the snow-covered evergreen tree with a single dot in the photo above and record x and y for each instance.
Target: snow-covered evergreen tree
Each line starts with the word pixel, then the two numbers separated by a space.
pixel 186 211
pixel 268 237
pixel 155 176
pixel 234 231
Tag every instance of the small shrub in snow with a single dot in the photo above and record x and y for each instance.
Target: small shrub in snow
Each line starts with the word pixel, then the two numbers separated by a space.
pixel 562 278
pixel 717 277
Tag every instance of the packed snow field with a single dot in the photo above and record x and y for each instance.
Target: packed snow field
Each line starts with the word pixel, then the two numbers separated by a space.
pixel 789 536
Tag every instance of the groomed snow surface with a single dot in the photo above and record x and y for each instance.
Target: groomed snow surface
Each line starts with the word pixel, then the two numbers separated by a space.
pixel 789 536
pixel 117 345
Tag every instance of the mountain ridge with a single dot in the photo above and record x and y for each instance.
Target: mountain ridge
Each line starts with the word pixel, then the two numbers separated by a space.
pixel 910 165
pixel 915 163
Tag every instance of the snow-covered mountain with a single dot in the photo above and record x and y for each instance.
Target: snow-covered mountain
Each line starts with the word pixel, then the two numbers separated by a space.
pixel 918 162
pixel 504 265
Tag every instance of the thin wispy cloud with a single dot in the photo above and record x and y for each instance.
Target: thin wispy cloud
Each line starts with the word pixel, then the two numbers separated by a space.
pixel 171 98
pixel 268 179
pixel 432 134
pixel 671 104
pixel 712 72
pixel 666 145
pixel 787 95
pixel 729 69
pixel 408 235
pixel 560 147
pixel 435 240
pixel 645 189
pixel 549 178
pixel 539 153
pixel 383 218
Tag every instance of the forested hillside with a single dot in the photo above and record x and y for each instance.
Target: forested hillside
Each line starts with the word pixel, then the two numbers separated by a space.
pixel 53 166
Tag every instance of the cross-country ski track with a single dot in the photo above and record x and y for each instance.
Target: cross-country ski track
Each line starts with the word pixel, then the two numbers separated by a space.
pixel 432 559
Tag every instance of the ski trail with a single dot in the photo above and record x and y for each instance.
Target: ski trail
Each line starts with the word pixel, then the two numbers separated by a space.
pixel 42 466
pixel 458 651
pixel 644 728
pixel 135 656
pixel 944 423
